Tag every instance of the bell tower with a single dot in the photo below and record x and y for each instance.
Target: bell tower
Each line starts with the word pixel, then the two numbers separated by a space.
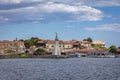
pixel 56 46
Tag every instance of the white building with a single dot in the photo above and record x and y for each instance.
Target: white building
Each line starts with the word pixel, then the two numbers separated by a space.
pixel 64 46
pixel 100 43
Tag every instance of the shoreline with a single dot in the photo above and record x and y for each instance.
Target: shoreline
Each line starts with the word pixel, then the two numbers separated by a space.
pixel 33 56
pixel 46 57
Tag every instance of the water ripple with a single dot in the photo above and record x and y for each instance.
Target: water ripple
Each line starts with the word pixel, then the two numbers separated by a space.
pixel 60 69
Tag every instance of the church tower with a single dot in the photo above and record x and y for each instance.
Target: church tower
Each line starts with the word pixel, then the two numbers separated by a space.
pixel 56 46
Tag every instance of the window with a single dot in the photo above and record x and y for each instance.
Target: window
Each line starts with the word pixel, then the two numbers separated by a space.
pixel 52 46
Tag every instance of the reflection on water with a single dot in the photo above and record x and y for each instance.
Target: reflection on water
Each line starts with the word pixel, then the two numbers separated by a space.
pixel 60 69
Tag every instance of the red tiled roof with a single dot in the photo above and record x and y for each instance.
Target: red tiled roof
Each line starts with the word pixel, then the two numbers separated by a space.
pixel 6 42
pixel 118 50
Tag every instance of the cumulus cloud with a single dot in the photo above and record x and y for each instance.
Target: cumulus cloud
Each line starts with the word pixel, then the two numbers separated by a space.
pixel 109 3
pixel 95 3
pixel 50 12
pixel 102 3
pixel 42 11
pixel 106 27
pixel 71 2
pixel 17 1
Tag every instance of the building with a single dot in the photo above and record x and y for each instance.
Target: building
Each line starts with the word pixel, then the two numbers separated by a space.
pixel 11 47
pixel 50 45
pixel 64 45
pixel 41 43
pixel 100 43
pixel 71 46
pixel 118 51
pixel 75 43
pixel 86 44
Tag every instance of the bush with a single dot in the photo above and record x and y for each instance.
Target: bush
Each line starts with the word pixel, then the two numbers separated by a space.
pixel 40 50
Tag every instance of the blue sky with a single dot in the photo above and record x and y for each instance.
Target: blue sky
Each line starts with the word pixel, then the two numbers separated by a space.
pixel 72 19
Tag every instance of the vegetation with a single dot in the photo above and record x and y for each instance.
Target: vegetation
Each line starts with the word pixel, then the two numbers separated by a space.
pixel 88 39
pixel 21 55
pixel 31 42
pixel 34 40
pixel 112 49
pixel 81 47
pixel 40 50
pixel 28 43
pixel 98 47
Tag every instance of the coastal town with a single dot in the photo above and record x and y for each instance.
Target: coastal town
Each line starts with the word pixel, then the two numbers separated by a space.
pixel 36 46
pixel 59 39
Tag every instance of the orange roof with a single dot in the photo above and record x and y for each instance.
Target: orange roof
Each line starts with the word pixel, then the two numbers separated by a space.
pixel 7 42
pixel 40 41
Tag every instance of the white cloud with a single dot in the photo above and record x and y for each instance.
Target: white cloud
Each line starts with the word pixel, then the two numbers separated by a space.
pixel 10 1
pixel 69 27
pixel 53 12
pixel 17 1
pixel 54 7
pixel 106 27
pixel 97 3
pixel 80 13
pixel 101 3
pixel 3 19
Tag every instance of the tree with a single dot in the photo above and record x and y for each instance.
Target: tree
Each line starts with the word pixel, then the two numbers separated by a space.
pixel 96 47
pixel 28 43
pixel 35 40
pixel 21 40
pixel 40 50
pixel 112 49
pixel 88 39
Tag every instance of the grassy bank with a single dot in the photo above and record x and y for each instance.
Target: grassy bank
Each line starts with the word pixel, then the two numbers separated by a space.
pixel 24 55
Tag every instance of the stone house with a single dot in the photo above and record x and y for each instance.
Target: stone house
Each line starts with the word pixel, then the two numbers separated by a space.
pixel 64 45
pixel 100 43
pixel 11 47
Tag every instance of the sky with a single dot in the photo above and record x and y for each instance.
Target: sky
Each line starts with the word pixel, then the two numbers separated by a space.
pixel 71 19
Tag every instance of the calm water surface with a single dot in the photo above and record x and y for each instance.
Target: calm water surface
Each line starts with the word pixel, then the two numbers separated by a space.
pixel 60 69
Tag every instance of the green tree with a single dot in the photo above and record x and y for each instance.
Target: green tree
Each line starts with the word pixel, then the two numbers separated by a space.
pixel 35 40
pixel 21 40
pixel 40 50
pixel 112 49
pixel 96 47
pixel 88 39
pixel 28 43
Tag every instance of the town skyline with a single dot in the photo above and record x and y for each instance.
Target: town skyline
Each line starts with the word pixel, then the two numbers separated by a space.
pixel 88 39
pixel 71 19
